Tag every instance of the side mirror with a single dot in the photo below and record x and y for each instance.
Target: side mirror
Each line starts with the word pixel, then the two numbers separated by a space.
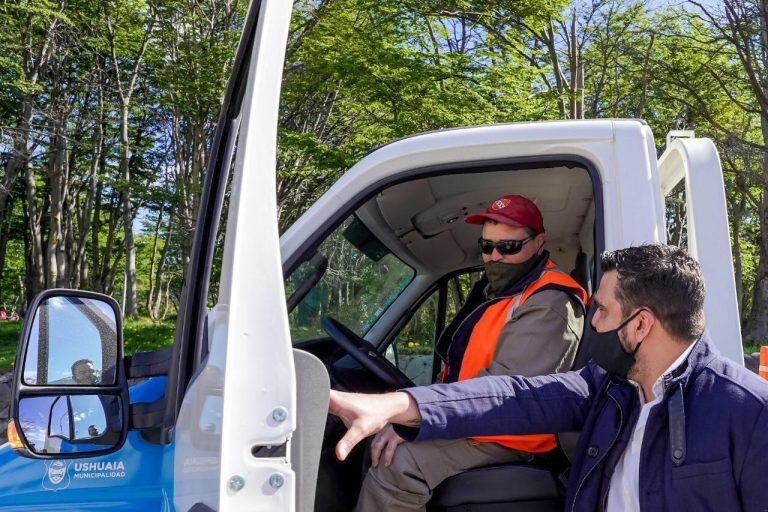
pixel 70 393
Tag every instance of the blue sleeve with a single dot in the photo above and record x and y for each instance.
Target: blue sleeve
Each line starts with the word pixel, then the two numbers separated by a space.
pixel 500 404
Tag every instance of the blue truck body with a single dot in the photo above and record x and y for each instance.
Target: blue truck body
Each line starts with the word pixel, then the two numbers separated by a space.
pixel 139 476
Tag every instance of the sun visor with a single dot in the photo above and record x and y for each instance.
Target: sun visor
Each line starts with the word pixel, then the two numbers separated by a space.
pixel 362 238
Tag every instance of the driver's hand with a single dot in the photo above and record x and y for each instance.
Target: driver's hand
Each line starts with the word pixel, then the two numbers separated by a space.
pixel 365 415
pixel 386 440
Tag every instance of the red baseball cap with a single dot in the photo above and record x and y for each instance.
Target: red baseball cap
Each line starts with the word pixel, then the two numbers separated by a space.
pixel 517 211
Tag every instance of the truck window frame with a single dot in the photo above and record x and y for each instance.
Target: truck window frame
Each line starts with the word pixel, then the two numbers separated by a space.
pixel 504 164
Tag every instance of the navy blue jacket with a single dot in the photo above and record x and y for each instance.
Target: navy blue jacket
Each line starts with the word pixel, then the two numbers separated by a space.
pixel 714 456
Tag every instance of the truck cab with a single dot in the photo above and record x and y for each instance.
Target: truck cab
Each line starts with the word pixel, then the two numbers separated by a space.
pixel 357 295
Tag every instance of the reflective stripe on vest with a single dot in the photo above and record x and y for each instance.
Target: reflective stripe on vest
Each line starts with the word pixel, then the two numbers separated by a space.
pixel 485 337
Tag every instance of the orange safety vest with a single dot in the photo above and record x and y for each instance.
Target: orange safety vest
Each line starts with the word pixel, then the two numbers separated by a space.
pixel 485 336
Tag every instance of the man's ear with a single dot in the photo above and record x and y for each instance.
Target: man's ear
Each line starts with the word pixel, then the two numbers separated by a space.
pixel 540 241
pixel 644 326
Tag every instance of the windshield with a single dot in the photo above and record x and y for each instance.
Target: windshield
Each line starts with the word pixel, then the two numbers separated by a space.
pixel 362 279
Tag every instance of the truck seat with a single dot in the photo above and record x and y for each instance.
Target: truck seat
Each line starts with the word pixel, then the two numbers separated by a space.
pixel 508 487
pixel 517 487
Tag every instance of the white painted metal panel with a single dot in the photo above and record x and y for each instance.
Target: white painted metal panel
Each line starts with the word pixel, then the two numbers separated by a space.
pixel 618 149
pixel 697 161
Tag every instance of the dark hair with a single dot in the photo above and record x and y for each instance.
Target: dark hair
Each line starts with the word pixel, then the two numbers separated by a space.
pixel 529 231
pixel 664 279
pixel 81 362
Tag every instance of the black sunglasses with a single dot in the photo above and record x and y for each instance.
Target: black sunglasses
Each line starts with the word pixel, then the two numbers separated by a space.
pixel 505 247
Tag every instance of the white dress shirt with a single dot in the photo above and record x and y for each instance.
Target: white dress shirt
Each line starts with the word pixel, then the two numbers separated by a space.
pixel 624 489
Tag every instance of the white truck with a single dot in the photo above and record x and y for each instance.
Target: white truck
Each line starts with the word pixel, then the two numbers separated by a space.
pixel 234 417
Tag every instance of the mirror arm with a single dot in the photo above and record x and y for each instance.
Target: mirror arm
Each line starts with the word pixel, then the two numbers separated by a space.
pixel 148 364
pixel 146 415
pixel 43 345
pixel 71 417
pixel 320 264
pixel 50 416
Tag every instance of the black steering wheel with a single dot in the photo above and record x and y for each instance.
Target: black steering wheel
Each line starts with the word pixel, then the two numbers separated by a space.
pixel 365 354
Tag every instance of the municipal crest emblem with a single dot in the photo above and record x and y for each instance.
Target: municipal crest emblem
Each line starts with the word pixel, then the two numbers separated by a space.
pixel 56 475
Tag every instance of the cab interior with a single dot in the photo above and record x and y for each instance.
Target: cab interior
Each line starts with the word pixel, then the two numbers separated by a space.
pixel 378 298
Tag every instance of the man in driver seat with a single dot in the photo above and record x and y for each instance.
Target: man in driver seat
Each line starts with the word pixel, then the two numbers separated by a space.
pixel 529 324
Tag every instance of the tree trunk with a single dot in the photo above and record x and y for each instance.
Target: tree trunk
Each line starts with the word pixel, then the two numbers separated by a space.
pixel 57 180
pixel 167 298
pixel 130 308
pixel 154 312
pixel 126 87
pixel 153 255
pixel 757 325
pixel 33 63
pixel 756 328
pixel 107 265
pixel 738 265
pixel 19 157
pixel 95 279
pixel 5 229
pixel 36 263
pixel 80 265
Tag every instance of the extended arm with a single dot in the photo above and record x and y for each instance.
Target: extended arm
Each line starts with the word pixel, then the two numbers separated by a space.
pixel 499 405
pixel 485 406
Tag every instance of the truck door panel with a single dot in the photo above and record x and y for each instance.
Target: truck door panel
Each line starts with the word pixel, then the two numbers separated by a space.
pixel 241 399
pixel 696 161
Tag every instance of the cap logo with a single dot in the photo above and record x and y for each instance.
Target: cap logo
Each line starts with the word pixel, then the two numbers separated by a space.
pixel 500 204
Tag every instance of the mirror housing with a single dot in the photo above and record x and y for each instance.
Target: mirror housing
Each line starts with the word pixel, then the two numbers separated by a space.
pixel 70 388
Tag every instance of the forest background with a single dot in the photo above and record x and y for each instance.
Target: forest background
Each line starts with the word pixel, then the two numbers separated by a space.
pixel 108 108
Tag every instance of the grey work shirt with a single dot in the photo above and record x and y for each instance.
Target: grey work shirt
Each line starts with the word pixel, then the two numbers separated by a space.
pixel 540 337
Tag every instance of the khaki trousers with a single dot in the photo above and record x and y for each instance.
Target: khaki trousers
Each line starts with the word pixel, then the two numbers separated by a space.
pixel 417 468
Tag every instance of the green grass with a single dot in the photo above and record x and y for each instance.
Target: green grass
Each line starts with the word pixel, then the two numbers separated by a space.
pixel 9 340
pixel 750 348
pixel 142 335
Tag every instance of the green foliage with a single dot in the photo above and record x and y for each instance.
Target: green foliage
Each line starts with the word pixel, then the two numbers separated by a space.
pixel 361 73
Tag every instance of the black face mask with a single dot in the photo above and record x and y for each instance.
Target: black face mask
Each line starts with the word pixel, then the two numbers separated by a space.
pixel 606 350
pixel 502 276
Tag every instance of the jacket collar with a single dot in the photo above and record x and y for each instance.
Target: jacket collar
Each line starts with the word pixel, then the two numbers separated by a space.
pixel 701 355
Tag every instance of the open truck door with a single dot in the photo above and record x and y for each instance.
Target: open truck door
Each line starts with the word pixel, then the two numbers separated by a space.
pixel 696 161
pixel 232 406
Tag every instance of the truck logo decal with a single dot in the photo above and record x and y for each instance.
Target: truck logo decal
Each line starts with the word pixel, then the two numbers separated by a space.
pixel 56 475
pixel 109 469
